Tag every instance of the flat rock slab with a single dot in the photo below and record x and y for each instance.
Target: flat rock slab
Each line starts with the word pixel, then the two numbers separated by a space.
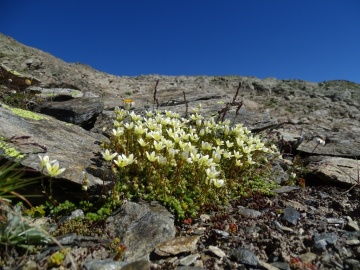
pixel 344 144
pixel 32 134
pixel 335 169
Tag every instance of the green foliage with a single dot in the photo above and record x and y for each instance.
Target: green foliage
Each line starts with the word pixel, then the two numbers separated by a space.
pixel 79 226
pixel 185 163
pixel 12 178
pixel 57 258
pixel 63 209
pixel 101 213
pixel 15 232
pixel 36 211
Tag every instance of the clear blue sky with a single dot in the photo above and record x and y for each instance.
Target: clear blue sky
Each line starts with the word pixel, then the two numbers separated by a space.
pixel 313 40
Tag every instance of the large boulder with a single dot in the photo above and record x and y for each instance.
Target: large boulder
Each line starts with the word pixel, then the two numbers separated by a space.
pixel 82 112
pixel 25 135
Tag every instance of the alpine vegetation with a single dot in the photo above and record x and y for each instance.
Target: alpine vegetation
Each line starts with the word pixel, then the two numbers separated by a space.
pixel 186 164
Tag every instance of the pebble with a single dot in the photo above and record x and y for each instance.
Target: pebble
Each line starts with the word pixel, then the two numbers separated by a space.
pixel 188 260
pixel 248 213
pixel 217 251
pixel 352 225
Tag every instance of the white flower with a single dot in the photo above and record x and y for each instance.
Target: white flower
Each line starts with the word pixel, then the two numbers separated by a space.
pixel 168 113
pixel 139 129
pixel 185 156
pixel 120 114
pixel 161 160
pixel 172 152
pixel 227 154
pixel 135 117
pixel 185 136
pixel 149 113
pixel 195 157
pixel 216 156
pixel 219 142
pixel 129 125
pixel 218 182
pixel 194 137
pixel 168 143
pixel 107 156
pixel 53 170
pixel 156 135
pixel 142 142
pixel 229 144
pixel 239 142
pixel 238 163
pixel 117 123
pixel 118 132
pixel 206 161
pixel 131 159
pixel 151 157
pixel 45 160
pixel 212 172
pixel 237 154
pixel 159 146
pixel 205 146
pixel 121 161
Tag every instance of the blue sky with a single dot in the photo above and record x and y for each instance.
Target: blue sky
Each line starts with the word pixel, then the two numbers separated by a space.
pixel 313 40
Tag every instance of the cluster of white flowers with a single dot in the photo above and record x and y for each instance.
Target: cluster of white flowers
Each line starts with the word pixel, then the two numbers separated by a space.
pixel 167 139
pixel 52 166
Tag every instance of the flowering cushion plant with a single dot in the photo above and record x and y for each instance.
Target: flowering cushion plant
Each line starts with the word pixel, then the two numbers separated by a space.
pixel 185 163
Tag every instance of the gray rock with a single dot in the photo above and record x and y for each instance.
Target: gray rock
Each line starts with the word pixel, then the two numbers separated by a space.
pixel 290 215
pixel 217 251
pixel 141 227
pixel 322 239
pixel 352 225
pixel 281 265
pixel 188 260
pixel 34 134
pixel 189 268
pixel 285 189
pixel 107 264
pixel 248 213
pixel 335 169
pixel 82 112
pixel 352 264
pixel 244 256
pixel 138 265
pixel 342 144
pixel 30 265
pixel 177 245
pixel 221 233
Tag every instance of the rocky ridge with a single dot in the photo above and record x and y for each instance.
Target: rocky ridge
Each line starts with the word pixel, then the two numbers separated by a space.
pixel 293 112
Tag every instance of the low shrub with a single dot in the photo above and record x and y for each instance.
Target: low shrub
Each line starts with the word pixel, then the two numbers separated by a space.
pixel 185 163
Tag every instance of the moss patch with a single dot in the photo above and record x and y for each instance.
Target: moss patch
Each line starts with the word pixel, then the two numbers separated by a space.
pixel 9 151
pixel 25 113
